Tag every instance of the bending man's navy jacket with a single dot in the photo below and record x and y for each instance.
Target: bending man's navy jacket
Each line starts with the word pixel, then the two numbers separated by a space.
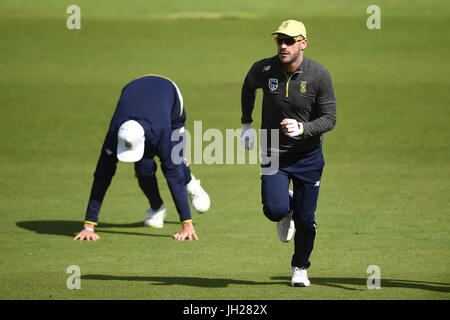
pixel 157 104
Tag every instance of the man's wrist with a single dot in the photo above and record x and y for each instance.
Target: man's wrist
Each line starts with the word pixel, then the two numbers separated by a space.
pixel 301 127
pixel 88 225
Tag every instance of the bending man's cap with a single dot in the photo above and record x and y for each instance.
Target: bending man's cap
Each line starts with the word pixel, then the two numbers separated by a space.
pixel 291 28
pixel 130 141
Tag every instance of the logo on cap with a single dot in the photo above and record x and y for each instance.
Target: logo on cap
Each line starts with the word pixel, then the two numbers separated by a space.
pixel 130 141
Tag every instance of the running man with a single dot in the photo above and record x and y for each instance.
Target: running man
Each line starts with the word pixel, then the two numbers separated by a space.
pixel 299 102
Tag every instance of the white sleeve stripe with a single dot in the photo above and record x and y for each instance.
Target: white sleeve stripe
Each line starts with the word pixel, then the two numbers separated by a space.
pixel 180 97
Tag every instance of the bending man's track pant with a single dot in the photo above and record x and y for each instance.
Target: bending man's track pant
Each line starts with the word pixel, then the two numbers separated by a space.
pixel 146 174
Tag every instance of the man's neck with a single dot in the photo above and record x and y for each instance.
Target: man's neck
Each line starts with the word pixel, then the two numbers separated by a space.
pixel 292 67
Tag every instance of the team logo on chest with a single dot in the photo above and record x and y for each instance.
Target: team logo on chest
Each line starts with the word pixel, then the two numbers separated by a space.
pixel 303 86
pixel 273 84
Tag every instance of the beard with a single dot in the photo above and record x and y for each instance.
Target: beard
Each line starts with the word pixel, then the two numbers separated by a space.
pixel 289 59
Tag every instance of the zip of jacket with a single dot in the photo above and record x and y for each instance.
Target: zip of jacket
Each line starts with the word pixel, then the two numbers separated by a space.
pixel 288 80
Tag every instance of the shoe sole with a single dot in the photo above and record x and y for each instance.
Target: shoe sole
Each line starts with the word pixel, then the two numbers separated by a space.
pixel 155 227
pixel 279 236
pixel 152 226
pixel 299 284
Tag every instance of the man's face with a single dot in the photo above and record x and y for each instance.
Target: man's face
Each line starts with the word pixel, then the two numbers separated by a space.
pixel 289 49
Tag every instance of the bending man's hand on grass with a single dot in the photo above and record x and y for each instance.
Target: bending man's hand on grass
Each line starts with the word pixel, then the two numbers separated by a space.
pixel 187 232
pixel 87 234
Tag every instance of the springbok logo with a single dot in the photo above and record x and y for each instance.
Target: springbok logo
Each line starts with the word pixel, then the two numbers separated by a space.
pixel 273 84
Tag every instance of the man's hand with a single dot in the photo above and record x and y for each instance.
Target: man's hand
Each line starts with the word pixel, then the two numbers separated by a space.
pixel 87 234
pixel 292 127
pixel 248 137
pixel 187 232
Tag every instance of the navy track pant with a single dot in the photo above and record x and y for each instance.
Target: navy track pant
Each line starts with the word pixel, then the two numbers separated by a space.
pixel 146 174
pixel 305 172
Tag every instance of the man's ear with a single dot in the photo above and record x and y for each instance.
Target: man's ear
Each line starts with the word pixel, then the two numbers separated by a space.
pixel 303 44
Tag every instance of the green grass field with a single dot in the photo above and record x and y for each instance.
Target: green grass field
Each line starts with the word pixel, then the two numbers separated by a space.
pixel 385 192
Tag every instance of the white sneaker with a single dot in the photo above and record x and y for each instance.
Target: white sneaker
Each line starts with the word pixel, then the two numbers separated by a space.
pixel 155 219
pixel 199 198
pixel 299 277
pixel 286 227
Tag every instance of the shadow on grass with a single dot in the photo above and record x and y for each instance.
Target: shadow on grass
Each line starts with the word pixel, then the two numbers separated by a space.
pixel 341 283
pixel 184 281
pixel 344 283
pixel 71 228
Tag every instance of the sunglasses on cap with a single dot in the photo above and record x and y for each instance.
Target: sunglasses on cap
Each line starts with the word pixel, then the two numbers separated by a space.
pixel 289 41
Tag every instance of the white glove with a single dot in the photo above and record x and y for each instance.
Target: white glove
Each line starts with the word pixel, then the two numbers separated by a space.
pixel 292 127
pixel 248 136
